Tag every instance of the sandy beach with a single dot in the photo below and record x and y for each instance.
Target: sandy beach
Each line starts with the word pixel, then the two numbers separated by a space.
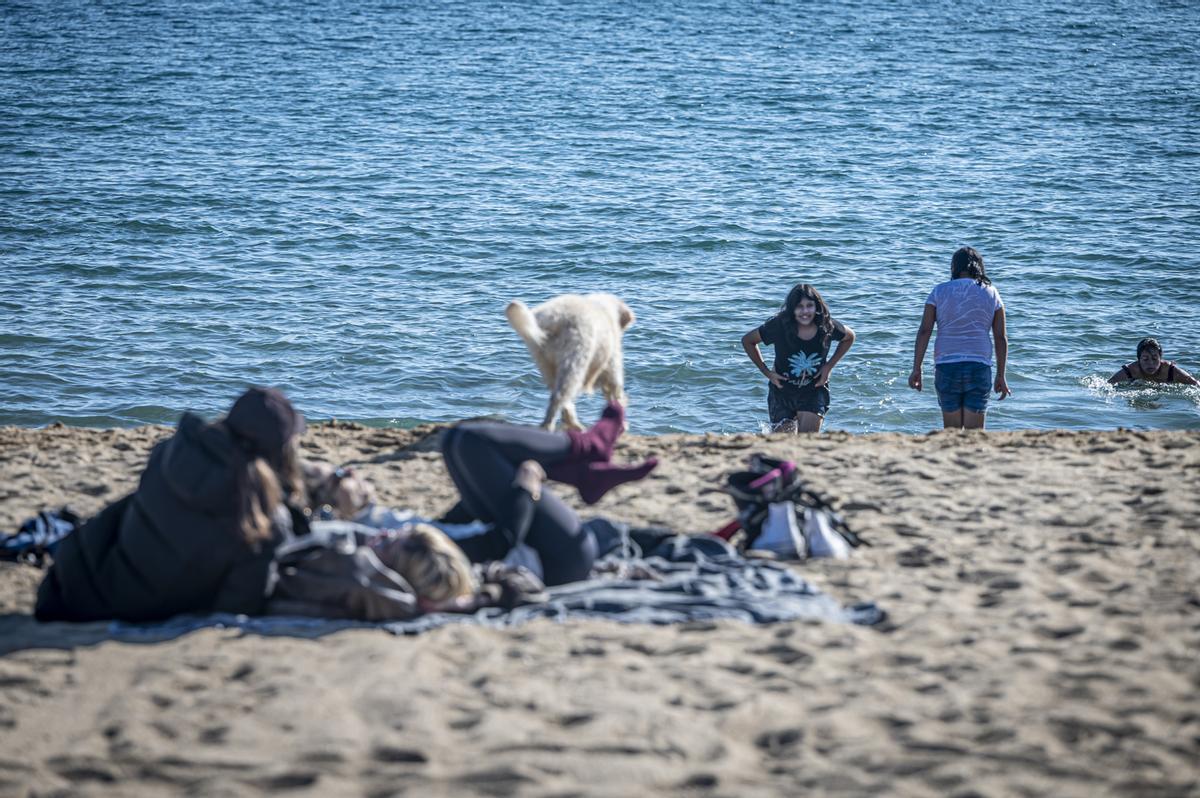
pixel 1043 638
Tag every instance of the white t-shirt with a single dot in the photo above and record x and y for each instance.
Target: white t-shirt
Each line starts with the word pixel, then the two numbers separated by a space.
pixel 965 311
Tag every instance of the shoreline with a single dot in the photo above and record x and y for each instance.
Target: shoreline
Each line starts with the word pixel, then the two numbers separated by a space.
pixel 1041 588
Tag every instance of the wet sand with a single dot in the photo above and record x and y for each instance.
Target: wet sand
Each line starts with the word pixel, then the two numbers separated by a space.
pixel 1043 592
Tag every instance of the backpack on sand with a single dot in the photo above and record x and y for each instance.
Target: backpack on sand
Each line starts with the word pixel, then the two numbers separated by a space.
pixel 778 513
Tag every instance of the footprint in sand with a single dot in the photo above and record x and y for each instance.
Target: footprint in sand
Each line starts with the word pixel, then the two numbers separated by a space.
pixel 575 719
pixel 214 735
pixel 392 755
pixel 82 769
pixel 700 781
pixel 780 743
pixel 291 780
pixel 919 557
pixel 785 655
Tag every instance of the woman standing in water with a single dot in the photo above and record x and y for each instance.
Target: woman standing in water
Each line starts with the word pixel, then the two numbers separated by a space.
pixel 801 333
pixel 966 309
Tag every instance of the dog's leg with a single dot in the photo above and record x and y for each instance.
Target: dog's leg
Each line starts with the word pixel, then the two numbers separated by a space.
pixel 549 376
pixel 569 419
pixel 612 381
pixel 568 385
pixel 552 410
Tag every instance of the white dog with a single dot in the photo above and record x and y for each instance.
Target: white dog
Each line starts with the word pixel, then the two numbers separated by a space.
pixel 576 343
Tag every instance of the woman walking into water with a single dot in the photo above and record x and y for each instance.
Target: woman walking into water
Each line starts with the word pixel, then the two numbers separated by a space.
pixel 966 309
pixel 801 333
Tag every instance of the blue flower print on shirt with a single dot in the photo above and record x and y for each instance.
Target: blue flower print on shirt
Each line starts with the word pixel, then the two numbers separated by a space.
pixel 804 367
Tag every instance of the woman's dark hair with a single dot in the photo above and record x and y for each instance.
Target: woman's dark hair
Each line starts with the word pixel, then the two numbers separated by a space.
pixel 261 489
pixel 1149 343
pixel 966 262
pixel 822 319
pixel 264 427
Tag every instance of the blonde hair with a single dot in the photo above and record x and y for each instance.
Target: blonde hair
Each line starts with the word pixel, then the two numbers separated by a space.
pixel 431 563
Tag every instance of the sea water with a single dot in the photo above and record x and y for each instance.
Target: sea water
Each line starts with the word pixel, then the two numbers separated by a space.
pixel 340 198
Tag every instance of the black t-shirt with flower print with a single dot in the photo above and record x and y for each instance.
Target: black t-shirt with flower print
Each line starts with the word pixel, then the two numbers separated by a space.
pixel 798 360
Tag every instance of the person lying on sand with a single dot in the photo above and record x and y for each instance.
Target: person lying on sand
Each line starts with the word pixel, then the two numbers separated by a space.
pixel 217 501
pixel 498 470
pixel 1151 367
pixel 199 533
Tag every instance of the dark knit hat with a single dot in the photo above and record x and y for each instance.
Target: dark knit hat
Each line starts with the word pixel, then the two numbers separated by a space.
pixel 264 421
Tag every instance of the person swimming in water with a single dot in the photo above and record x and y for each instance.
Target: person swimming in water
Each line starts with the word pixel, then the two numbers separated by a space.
pixel 1151 367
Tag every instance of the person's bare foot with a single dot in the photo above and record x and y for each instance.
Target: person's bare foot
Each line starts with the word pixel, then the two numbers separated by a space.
pixel 529 477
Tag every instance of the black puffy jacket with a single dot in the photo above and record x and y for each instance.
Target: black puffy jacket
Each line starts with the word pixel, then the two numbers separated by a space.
pixel 171 547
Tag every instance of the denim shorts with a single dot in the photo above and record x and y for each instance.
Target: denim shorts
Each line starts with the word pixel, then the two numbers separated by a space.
pixel 962 385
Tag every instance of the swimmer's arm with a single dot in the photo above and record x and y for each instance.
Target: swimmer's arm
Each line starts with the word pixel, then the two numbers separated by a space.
pixel 924 332
pixel 1121 376
pixel 1184 377
pixel 750 342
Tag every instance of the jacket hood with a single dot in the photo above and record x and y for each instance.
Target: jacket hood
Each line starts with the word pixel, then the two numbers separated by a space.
pixel 199 465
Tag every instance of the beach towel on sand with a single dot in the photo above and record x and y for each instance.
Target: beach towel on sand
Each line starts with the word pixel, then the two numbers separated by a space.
pixel 693 578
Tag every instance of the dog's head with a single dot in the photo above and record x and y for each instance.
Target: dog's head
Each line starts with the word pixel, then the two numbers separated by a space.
pixel 621 312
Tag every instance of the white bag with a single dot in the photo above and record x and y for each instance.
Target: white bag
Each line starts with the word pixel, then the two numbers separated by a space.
pixel 780 534
pixel 823 541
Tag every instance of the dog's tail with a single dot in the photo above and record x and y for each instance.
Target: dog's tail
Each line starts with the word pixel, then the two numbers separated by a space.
pixel 524 322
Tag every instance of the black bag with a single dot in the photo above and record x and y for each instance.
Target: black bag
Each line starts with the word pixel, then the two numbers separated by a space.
pixel 768 481
pixel 332 576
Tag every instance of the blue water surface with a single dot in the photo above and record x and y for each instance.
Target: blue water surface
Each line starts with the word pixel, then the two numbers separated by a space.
pixel 340 199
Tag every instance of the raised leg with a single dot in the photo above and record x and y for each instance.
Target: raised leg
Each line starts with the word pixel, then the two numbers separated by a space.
pixel 484 470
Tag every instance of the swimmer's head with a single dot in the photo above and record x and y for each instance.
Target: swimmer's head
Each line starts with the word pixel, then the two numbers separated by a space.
pixel 1149 352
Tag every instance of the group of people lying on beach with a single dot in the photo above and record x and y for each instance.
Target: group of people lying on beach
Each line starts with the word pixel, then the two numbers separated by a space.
pixel 217 500
pixel 969 317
